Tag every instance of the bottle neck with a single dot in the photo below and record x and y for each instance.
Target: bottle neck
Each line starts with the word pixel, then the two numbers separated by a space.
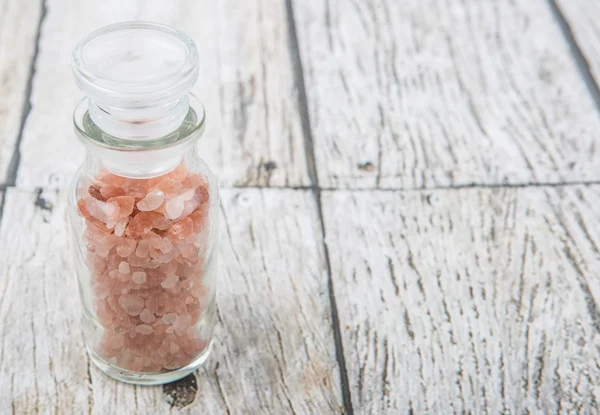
pixel 140 157
pixel 139 123
pixel 138 164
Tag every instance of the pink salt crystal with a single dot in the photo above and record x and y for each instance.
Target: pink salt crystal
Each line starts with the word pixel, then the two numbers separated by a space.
pixel 143 248
pixel 82 209
pixel 193 180
pixel 176 289
pixel 126 247
pixel 152 201
pixel 144 329
pixel 137 365
pixel 143 223
pixel 132 304
pixel 111 191
pixel 190 252
pixel 104 246
pixel 173 348
pixel 170 330
pixel 175 205
pixel 102 211
pixel 182 323
pixel 166 245
pixel 118 340
pixel 169 268
pixel 153 264
pixel 186 284
pixel 124 267
pixel 137 261
pixel 139 277
pixel 125 204
pixel 120 226
pixel 198 220
pixel 146 316
pixel 181 229
pixel 153 239
pixel 169 318
pixel 123 278
pixel 94 191
pixel 152 304
pixel 170 281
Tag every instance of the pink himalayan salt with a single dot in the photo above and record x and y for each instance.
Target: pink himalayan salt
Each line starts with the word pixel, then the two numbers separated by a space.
pixel 143 248
pixel 144 329
pixel 137 261
pixel 165 346
pixel 170 282
pixel 108 192
pixel 126 247
pixel 144 222
pixel 181 229
pixel 125 204
pixel 120 226
pixel 169 183
pixel 124 267
pixel 105 244
pixel 166 245
pixel 169 268
pixel 152 201
pixel 102 211
pixel 146 316
pixel 153 264
pixel 198 219
pixel 139 277
pixel 153 240
pixel 175 205
pixel 94 191
pixel 182 323
pixel 169 318
pixel 132 304
pixel 152 304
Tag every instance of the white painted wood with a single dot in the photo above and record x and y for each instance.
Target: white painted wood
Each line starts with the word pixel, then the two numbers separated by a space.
pixel 424 93
pixel 468 301
pixel 253 134
pixel 43 365
pixel 582 17
pixel 274 349
pixel 18 28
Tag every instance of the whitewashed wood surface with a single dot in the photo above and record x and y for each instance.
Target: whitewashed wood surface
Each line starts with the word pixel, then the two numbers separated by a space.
pixel 409 220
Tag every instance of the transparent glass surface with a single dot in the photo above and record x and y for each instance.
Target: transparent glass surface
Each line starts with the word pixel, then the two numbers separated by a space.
pixel 144 206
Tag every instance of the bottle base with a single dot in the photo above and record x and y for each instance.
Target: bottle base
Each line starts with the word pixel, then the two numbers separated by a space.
pixel 145 378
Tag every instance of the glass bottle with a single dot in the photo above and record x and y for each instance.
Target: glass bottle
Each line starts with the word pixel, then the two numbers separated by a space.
pixel 144 205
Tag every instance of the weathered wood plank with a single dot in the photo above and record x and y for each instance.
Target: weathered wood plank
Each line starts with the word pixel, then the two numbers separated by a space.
pixel 582 21
pixel 413 94
pixel 253 132
pixel 18 29
pixel 468 301
pixel 43 365
pixel 274 349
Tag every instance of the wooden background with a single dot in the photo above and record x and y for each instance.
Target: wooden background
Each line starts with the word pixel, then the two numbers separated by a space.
pixel 410 193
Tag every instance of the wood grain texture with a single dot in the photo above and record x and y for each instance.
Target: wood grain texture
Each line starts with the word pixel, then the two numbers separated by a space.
pixel 43 365
pixel 468 301
pixel 417 94
pixel 273 351
pixel 582 20
pixel 18 28
pixel 253 134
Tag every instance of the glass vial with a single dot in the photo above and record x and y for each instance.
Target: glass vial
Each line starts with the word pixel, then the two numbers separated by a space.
pixel 144 205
